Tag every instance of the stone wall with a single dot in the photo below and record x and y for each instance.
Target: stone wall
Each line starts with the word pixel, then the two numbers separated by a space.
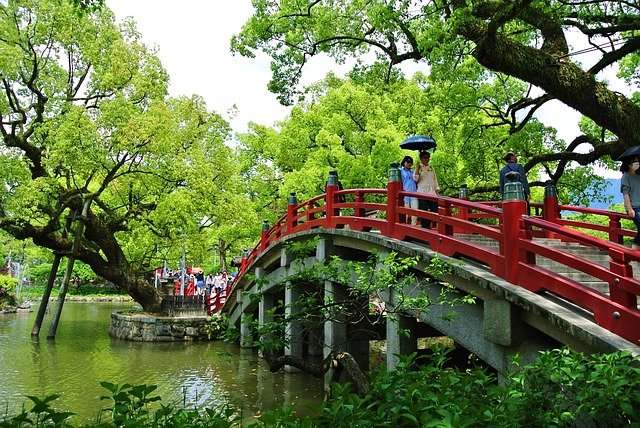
pixel 141 327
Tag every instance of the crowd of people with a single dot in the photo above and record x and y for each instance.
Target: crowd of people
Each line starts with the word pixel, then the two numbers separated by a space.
pixel 197 284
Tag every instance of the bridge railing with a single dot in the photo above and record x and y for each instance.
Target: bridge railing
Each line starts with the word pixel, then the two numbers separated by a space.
pixel 514 259
pixel 617 312
pixel 552 211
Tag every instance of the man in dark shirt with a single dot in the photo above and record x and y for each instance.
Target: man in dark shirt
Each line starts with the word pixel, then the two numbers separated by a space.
pixel 513 166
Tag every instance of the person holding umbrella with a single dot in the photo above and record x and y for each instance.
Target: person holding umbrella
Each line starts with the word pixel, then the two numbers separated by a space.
pixel 427 183
pixel 630 189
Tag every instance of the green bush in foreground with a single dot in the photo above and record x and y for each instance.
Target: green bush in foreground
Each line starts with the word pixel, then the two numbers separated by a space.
pixel 561 389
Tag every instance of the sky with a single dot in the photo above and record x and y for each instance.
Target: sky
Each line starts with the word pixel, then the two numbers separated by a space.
pixel 193 42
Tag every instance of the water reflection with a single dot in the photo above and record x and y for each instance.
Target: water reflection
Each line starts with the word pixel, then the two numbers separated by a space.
pixel 199 374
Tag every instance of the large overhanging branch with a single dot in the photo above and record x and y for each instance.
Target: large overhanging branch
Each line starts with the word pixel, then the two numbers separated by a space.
pixel 631 46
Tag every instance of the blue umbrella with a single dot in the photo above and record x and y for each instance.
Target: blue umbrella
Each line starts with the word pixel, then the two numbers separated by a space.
pixel 630 152
pixel 418 142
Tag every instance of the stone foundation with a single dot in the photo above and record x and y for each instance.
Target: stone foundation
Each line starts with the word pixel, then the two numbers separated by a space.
pixel 139 327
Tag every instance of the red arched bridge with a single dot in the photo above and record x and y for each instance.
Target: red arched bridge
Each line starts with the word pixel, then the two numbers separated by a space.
pixel 540 280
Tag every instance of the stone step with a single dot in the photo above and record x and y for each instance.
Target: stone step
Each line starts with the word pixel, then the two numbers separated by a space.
pixel 593 255
pixel 567 247
pixel 599 286
pixel 561 268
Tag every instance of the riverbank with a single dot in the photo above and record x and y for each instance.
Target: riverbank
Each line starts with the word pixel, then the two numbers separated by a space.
pixel 88 294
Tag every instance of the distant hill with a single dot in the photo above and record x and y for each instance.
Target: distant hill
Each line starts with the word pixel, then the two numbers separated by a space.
pixel 611 190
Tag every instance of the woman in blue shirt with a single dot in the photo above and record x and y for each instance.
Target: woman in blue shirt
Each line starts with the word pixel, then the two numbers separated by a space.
pixel 409 185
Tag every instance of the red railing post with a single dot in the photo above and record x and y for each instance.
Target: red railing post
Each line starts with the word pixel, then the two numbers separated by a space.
pixel 243 261
pixel 444 210
pixel 292 212
pixel 614 230
pixel 310 215
pixel 514 208
pixel 463 212
pixel 330 199
pixel 264 236
pixel 359 212
pixel 393 195
pixel 617 294
pixel 550 209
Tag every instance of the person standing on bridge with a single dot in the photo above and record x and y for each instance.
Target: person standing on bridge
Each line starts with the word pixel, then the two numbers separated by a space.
pixel 630 188
pixel 427 183
pixel 409 185
pixel 513 166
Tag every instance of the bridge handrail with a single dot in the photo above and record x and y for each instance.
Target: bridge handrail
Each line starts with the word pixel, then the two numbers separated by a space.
pixel 596 211
pixel 364 191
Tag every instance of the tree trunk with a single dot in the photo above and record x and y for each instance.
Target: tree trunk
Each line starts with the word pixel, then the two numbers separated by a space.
pixel 44 303
pixel 342 363
pixel 222 254
pixel 561 79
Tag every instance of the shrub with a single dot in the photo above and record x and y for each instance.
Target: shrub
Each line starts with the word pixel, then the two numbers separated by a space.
pixel 560 389
pixel 7 291
pixel 8 283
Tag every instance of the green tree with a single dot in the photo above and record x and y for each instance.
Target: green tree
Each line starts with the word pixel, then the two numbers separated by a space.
pixel 354 125
pixel 472 42
pixel 85 116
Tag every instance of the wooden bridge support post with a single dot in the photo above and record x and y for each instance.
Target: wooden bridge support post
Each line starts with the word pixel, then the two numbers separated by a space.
pixel 67 275
pixel 501 322
pixel 42 309
pixel 264 235
pixel 616 292
pixel 463 212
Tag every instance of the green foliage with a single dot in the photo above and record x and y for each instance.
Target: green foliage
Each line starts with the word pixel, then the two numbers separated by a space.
pixel 217 327
pixel 8 283
pixel 565 387
pixel 82 273
pixel 88 291
pixel 130 406
pixel 560 389
pixel 356 125
pixel 86 114
pixel 8 286
pixel 41 415
pixel 477 99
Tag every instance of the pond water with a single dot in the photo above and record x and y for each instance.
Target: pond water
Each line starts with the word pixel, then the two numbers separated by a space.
pixel 202 374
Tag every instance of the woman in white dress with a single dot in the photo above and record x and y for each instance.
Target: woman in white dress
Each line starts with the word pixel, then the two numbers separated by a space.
pixel 427 183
